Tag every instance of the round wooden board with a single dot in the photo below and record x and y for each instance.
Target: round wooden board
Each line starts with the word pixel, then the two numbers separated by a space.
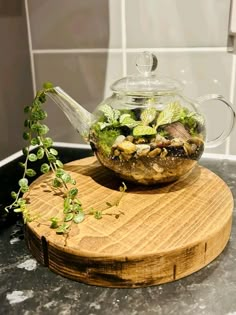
pixel 154 235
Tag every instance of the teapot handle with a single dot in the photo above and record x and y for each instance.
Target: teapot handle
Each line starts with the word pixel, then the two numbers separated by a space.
pixel 226 132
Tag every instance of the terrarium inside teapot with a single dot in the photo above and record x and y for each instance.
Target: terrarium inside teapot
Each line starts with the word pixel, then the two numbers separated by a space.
pixel 146 131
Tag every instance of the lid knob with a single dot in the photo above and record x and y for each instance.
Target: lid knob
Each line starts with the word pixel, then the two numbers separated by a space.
pixel 146 63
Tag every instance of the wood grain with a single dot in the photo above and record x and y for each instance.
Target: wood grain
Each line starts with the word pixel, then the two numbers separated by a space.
pixel 155 234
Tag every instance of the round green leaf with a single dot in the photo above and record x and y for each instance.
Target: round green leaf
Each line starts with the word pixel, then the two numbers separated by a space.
pixel 43 129
pixel 78 202
pixel 23 182
pixel 45 168
pixel 62 229
pixel 54 223
pixel 24 189
pixel 36 102
pixel 21 164
pixel 59 163
pixel 56 183
pixel 26 109
pixel 66 205
pixel 26 135
pixel 77 208
pixel 78 218
pixel 47 85
pixel 60 172
pixel 30 172
pixel 42 98
pixel 32 157
pixel 40 153
pixel 69 217
pixel 53 151
pixel 47 142
pixel 98 215
pixel 34 127
pixel 27 123
pixel 35 115
pixel 66 177
pixel 34 141
pixel 51 158
pixel 72 193
pixel 13 194
pixel 17 210
pixel 43 114
pixel 21 202
pixel 25 151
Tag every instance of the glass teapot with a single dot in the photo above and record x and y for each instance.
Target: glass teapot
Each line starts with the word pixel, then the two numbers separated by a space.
pixel 147 131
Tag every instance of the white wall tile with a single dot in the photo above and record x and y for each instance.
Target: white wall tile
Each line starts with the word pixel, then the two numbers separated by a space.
pixel 177 23
pixel 60 24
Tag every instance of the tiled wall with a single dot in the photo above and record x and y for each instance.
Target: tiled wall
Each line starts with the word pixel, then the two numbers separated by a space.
pixel 84 45
pixel 15 75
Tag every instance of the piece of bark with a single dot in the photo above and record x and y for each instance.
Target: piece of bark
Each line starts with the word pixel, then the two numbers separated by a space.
pixel 177 130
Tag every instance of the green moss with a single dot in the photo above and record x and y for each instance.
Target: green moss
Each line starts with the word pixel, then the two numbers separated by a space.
pixel 105 138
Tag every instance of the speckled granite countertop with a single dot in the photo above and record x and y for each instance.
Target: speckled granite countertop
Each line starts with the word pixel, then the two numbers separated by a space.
pixel 29 288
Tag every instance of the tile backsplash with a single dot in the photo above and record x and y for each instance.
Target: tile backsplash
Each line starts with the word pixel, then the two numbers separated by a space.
pixel 173 23
pixel 73 24
pixel 15 75
pixel 84 45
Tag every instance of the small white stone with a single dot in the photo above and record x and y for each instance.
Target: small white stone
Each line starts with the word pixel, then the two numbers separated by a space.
pixel 119 139
pixel 14 240
pixel 19 296
pixel 143 149
pixel 95 305
pixel 29 264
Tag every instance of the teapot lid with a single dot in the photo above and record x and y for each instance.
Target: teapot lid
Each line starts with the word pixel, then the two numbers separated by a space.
pixel 146 81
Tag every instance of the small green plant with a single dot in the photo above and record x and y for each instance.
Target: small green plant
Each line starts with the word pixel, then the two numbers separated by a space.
pixel 114 118
pixel 151 119
pixel 35 134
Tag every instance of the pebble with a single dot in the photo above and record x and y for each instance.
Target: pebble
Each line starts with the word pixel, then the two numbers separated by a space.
pixel 130 138
pixel 125 156
pixel 142 149
pixel 127 147
pixel 176 142
pixel 119 139
pixel 154 152
pixel 157 168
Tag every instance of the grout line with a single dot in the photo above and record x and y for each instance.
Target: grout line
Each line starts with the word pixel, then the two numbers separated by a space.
pixel 231 97
pixel 124 49
pixel 30 47
pixel 179 49
pixel 76 50
pixel 123 34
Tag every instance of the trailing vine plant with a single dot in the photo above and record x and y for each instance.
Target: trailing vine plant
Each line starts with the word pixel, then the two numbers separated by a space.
pixel 35 134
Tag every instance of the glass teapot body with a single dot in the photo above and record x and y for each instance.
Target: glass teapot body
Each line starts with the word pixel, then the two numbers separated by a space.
pixel 148 138
pixel 147 131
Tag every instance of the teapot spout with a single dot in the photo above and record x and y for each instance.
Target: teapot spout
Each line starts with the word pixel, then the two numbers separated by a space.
pixel 79 117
